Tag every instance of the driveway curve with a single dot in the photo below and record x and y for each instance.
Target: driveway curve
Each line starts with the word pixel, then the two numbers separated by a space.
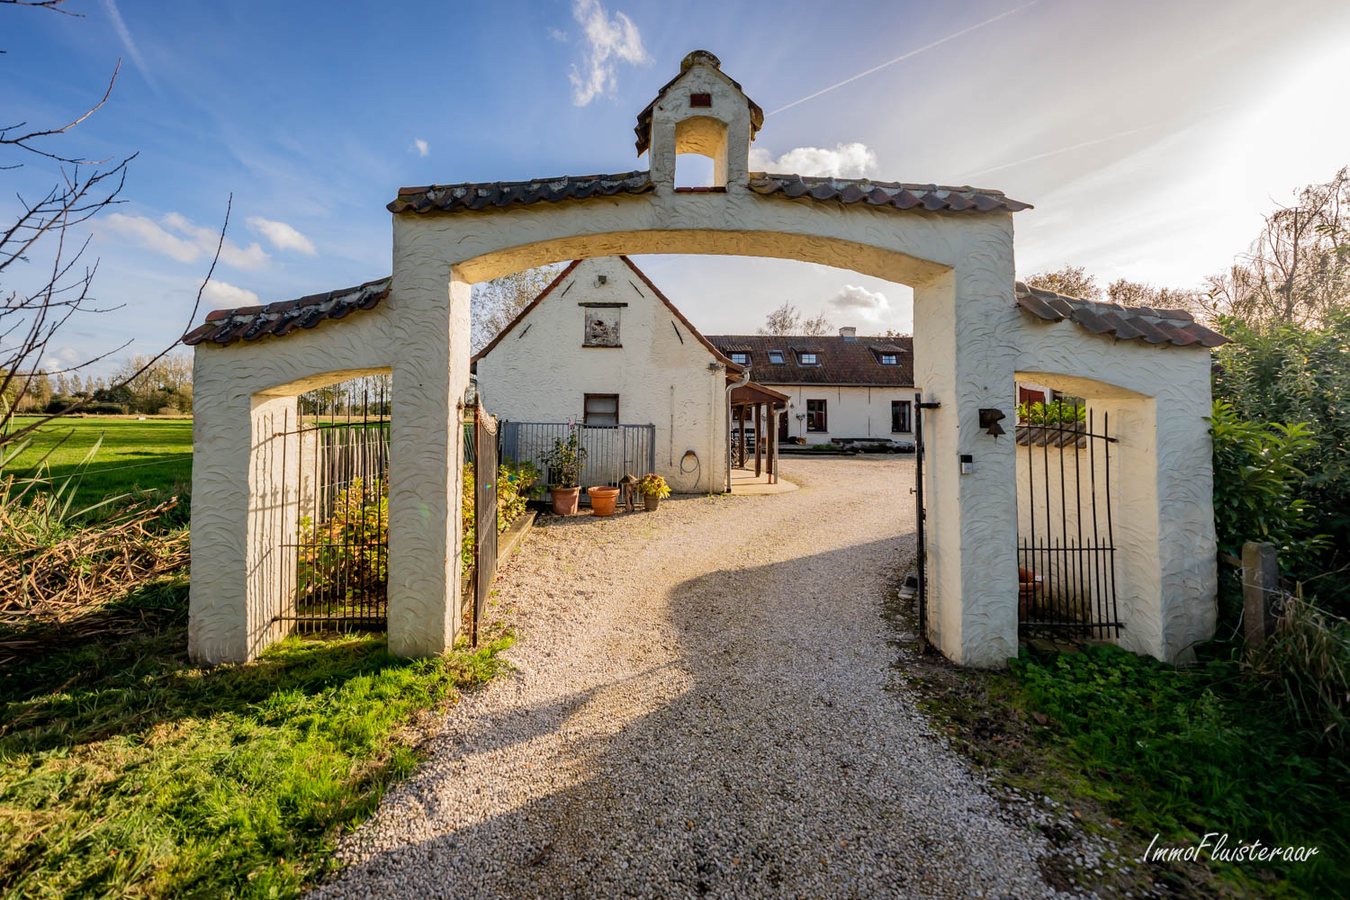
pixel 704 704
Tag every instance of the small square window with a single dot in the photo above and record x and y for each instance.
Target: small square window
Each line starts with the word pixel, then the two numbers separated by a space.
pixel 740 359
pixel 807 359
pixel 888 359
pixel 776 357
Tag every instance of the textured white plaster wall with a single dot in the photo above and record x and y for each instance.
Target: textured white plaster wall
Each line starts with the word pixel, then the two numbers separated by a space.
pixel 541 372
pixel 849 411
pixel 1158 400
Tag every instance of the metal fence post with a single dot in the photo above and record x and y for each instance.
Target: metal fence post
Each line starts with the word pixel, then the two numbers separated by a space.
pixel 1260 590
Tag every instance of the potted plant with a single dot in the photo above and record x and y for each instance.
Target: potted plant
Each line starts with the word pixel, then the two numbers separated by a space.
pixel 652 487
pixel 564 464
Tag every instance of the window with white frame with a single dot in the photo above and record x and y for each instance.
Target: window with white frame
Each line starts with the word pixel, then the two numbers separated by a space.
pixel 808 359
pixel 740 358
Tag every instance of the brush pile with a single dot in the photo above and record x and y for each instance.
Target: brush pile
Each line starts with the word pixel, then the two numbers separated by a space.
pixel 53 571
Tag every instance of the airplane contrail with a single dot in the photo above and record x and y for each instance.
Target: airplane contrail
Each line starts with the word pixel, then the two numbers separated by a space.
pixel 1079 146
pixel 905 56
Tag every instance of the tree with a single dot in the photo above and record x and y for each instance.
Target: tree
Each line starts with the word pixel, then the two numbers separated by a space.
pixel 43 240
pixel 1071 281
pixel 494 304
pixel 1298 268
pixel 787 319
pixel 1138 293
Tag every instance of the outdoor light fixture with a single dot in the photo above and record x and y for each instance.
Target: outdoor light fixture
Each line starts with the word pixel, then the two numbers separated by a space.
pixel 989 419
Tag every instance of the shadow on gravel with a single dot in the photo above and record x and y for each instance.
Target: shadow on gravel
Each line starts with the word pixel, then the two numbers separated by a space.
pixel 784 769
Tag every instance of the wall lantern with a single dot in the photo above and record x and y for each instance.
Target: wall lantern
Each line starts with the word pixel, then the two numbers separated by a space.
pixel 989 419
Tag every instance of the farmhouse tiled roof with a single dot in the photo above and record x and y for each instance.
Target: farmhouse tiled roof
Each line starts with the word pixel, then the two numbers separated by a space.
pixel 879 194
pixel 1155 326
pixel 841 361
pixel 248 323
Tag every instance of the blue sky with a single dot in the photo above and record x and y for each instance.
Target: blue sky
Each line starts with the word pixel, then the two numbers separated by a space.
pixel 1150 135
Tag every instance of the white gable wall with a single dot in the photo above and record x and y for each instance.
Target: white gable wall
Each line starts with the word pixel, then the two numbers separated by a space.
pixel 540 372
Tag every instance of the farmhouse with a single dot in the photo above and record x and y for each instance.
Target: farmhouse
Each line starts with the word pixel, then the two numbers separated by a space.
pixel 603 347
pixel 843 388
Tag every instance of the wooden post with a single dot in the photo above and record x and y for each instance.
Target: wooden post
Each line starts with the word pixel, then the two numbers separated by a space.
pixel 759 440
pixel 773 444
pixel 1260 589
pixel 740 436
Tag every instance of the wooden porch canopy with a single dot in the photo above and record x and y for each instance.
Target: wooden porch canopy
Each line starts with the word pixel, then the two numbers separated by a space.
pixel 752 394
pixel 765 403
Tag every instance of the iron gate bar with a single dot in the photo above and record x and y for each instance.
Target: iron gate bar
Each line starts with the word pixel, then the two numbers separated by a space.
pixel 1072 577
pixel 484 513
pixel 350 590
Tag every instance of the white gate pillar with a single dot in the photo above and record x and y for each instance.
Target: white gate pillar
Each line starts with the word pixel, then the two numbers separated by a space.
pixel 964 357
pixel 429 324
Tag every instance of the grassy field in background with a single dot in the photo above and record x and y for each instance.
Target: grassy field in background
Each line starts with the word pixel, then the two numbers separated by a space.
pixel 155 454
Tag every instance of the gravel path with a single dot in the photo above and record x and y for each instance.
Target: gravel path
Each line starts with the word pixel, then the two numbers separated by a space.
pixel 700 708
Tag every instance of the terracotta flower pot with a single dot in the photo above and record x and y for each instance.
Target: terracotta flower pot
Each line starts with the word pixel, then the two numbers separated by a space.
pixel 565 500
pixel 602 500
pixel 651 501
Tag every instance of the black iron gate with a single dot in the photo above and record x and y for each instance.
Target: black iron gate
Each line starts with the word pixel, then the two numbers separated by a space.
pixel 485 459
pixel 327 479
pixel 1066 550
pixel 920 520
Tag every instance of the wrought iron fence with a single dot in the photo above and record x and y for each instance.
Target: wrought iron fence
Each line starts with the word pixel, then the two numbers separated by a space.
pixel 612 451
pixel 1066 548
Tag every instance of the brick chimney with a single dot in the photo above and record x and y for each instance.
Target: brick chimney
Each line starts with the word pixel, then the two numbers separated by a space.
pixel 848 333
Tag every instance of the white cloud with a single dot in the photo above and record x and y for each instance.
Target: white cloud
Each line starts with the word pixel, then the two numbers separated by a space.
pixel 283 236
pixel 190 244
pixel 607 39
pixel 62 359
pixel 128 41
pixel 149 234
pixel 421 146
pixel 853 160
pixel 557 34
pixel 223 295
pixel 871 305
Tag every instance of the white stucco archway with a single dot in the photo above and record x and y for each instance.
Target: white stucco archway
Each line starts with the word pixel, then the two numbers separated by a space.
pixel 954 246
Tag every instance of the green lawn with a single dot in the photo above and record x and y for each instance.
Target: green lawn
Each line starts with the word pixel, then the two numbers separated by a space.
pixel 126 771
pixel 155 454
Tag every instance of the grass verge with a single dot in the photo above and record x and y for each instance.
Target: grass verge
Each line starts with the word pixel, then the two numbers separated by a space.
pixel 125 771
pixel 1135 748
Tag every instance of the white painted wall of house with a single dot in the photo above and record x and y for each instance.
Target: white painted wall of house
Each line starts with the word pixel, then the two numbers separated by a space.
pixel 850 412
pixel 541 373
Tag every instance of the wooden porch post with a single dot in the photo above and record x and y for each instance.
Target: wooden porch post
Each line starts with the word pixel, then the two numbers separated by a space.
pixel 740 431
pixel 759 440
pixel 773 444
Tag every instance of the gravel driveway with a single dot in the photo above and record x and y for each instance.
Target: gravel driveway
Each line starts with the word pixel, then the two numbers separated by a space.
pixel 700 708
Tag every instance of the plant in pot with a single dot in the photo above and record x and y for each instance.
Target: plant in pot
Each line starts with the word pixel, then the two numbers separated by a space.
pixel 653 488
pixel 564 464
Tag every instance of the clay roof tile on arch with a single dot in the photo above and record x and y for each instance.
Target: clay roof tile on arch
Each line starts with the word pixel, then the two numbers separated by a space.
pixel 1175 327
pixel 248 323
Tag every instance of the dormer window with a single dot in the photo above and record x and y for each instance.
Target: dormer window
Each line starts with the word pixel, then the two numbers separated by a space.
pixel 776 357
pixel 808 359
pixel 740 359
pixel 887 359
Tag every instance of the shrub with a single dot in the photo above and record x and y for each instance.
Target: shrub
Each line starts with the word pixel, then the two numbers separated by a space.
pixel 1257 477
pixel 1052 413
pixel 347 551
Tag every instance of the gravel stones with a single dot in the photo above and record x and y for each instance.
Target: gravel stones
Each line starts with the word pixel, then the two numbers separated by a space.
pixel 703 705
